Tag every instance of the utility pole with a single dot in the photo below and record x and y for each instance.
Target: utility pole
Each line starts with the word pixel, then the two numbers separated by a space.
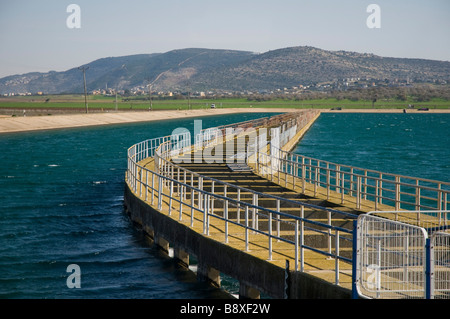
pixel 150 94
pixel 84 68
pixel 116 101
pixel 189 100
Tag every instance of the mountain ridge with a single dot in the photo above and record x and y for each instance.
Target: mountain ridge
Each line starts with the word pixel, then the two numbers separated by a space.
pixel 201 69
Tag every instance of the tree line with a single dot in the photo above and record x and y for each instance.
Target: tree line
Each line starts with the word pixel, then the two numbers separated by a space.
pixel 422 93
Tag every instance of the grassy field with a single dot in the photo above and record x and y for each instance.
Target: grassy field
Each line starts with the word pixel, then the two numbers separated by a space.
pixel 132 103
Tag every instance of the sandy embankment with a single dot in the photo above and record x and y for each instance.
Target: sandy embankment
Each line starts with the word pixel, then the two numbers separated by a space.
pixel 34 123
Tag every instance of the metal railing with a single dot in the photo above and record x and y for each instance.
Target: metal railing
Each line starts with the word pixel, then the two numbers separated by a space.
pixel 185 193
pixel 399 259
pixel 374 187
pixel 389 256
pixel 439 266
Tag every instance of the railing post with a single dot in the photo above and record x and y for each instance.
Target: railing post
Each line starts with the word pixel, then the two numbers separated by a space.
pixel 376 194
pixel 153 187
pixel 429 293
pixel 238 209
pixel 295 173
pixel 351 182
pixel 160 181
pixel 178 179
pixel 303 175
pixel 146 184
pixel 365 185
pixel 205 213
pixel 200 194
pixel 286 170
pixel 270 235
pixel 354 259
pixel 246 228
pixel 329 232
pixel 185 190
pixel 225 212
pixel 135 176
pixel 315 179
pixel 439 197
pixel 181 201
pixel 208 209
pixel 212 198
pixel 302 239
pixel 226 220
pixel 170 197
pixel 337 258
pixel 279 159
pixel 358 192
pixel 254 202
pixel 417 195
pixel 140 180
pixel 338 176
pixel 278 220
pixel 328 181
pixel 192 200
pixel 380 194
pixel 296 245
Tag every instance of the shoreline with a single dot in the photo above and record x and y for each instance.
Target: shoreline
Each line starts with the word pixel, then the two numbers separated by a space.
pixel 11 124
pixel 40 123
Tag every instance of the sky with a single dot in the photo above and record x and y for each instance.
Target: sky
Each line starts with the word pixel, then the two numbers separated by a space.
pixel 35 35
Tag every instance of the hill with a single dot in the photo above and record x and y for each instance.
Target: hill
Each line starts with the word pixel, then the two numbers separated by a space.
pixel 306 65
pixel 207 69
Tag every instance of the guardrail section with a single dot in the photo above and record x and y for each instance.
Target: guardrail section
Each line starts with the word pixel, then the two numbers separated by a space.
pixel 362 188
pixel 398 260
pixel 392 260
pixel 243 214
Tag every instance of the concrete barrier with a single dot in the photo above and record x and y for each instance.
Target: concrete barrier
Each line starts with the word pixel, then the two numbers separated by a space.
pixel 255 275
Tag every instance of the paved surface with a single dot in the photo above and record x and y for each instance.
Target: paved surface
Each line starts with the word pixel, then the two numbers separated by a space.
pixel 315 264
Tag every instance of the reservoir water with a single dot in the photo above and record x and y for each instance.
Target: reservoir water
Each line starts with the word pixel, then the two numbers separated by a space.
pixel 406 144
pixel 61 196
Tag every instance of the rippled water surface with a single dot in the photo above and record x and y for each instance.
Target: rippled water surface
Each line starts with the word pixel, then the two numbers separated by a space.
pixel 61 195
pixel 407 144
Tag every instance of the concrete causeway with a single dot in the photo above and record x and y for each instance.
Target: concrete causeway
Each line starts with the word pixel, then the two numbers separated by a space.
pixel 275 234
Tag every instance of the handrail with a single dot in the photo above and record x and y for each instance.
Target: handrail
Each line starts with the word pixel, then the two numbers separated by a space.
pixel 259 193
pixel 163 148
pixel 296 220
pixel 349 180
pixel 159 149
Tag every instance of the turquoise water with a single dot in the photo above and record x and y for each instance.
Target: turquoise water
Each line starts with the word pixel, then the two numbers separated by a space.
pixel 61 195
pixel 414 145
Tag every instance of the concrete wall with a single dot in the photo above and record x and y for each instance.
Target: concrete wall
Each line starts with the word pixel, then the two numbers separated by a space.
pixel 255 275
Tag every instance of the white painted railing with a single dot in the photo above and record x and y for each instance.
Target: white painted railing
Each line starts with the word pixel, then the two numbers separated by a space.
pixel 197 197
pixel 185 193
pixel 377 188
pixel 404 258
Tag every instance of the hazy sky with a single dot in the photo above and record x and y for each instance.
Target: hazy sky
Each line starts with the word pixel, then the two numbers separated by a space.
pixel 34 35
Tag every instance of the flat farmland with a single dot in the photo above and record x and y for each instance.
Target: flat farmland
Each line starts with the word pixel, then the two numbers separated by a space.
pixel 52 104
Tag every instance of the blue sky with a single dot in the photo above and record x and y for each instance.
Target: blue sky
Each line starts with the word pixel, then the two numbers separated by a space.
pixel 34 35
